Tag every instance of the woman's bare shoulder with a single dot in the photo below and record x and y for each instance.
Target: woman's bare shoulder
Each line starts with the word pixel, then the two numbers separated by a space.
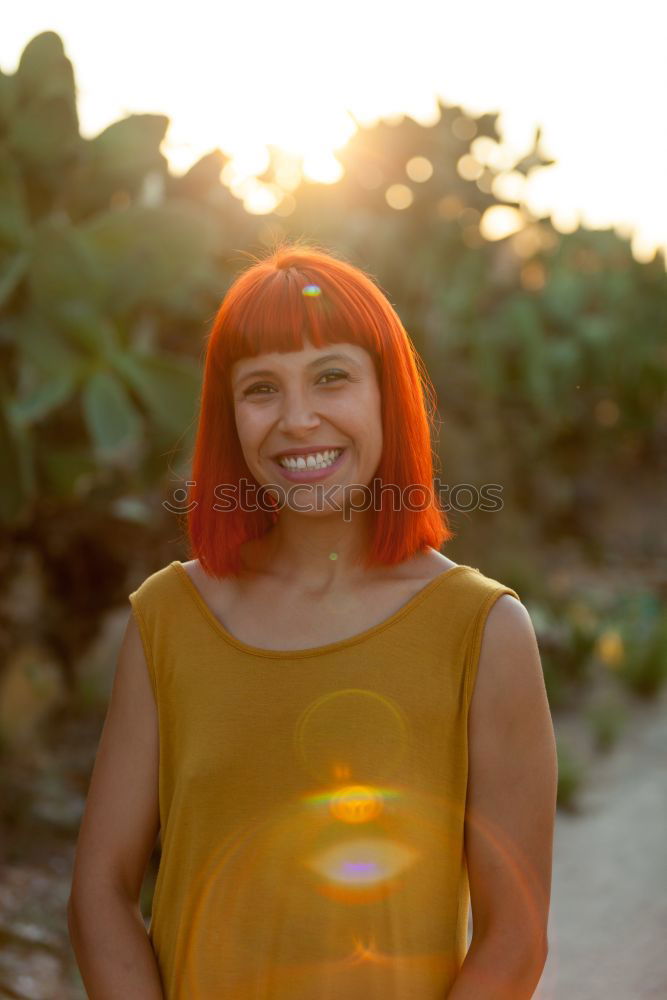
pixel 432 563
pixel 213 589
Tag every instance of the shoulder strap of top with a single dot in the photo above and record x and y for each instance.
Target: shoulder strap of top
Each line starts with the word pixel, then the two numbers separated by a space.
pixel 482 592
pixel 155 604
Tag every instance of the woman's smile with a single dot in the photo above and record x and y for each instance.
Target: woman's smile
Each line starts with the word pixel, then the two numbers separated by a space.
pixel 309 469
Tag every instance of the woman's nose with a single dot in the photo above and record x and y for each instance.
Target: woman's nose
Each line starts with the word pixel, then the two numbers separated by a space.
pixel 297 411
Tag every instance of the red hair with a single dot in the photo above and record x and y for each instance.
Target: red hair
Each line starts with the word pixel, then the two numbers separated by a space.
pixel 266 310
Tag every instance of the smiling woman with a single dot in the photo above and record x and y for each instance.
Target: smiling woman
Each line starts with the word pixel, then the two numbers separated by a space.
pixel 342 736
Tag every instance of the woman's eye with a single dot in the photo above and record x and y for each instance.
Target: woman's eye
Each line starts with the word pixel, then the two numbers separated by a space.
pixel 336 373
pixel 265 385
pixel 253 389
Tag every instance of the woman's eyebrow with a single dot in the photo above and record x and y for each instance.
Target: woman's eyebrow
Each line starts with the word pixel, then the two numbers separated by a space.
pixel 261 372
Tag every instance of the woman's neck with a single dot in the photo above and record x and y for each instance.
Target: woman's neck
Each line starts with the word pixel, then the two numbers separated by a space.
pixel 320 554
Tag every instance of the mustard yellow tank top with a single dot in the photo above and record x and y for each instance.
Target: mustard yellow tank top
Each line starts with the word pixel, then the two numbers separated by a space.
pixel 312 802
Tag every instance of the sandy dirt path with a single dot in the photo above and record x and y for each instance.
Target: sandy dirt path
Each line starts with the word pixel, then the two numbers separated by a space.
pixel 608 917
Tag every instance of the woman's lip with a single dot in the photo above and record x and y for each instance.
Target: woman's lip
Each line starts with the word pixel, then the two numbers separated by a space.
pixel 309 475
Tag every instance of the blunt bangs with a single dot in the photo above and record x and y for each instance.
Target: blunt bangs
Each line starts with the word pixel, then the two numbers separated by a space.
pixel 288 304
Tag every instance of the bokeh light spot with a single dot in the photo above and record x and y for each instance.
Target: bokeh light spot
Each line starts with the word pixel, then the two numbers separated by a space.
pixel 419 169
pixel 500 221
pixel 509 186
pixel 399 196
pixel 469 168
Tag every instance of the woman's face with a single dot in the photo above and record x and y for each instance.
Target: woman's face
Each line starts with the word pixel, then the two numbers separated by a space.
pixel 309 402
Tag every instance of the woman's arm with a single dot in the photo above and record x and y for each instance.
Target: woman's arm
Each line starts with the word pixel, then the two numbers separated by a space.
pixel 117 835
pixel 510 812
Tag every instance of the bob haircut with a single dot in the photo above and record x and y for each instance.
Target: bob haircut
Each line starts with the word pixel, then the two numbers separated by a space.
pixel 300 291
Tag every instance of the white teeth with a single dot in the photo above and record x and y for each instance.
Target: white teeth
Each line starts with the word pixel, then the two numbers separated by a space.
pixel 320 460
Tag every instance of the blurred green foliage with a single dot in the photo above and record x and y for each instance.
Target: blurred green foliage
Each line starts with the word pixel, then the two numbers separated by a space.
pixel 92 256
pixel 642 624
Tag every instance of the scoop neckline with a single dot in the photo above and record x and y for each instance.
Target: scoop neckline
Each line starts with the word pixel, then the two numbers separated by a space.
pixel 328 647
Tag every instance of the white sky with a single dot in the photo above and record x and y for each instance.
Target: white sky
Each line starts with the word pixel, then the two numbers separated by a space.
pixel 238 76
